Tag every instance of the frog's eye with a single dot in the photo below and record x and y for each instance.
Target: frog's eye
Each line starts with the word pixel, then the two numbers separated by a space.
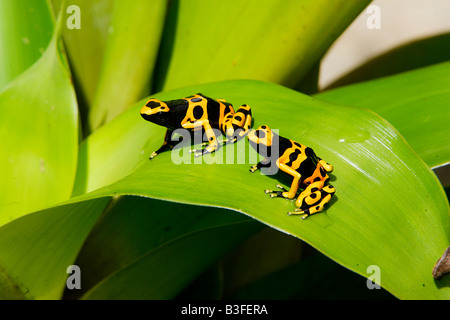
pixel 153 104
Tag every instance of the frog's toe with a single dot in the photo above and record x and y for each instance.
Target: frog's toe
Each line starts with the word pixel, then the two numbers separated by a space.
pixel 197 153
pixel 302 213
pixel 274 194
pixel 279 186
pixel 154 154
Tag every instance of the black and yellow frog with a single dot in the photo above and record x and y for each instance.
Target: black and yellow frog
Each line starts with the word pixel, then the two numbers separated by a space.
pixel 309 172
pixel 196 113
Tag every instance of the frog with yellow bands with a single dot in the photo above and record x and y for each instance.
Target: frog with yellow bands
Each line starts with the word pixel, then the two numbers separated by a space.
pixel 196 113
pixel 309 172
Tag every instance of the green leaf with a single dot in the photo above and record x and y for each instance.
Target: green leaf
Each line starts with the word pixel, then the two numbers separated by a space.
pixel 85 46
pixel 37 249
pixel 39 134
pixel 22 43
pixel 414 102
pixel 389 209
pixel 122 81
pixel 278 41
pixel 140 226
pixel 163 272
pixel 315 277
pixel 264 253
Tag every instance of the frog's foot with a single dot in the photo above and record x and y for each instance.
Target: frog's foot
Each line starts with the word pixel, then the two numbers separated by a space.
pixel 163 148
pixel 198 152
pixel 229 140
pixel 313 200
pixel 302 213
pixel 154 154
pixel 281 194
pixel 202 152
pixel 306 212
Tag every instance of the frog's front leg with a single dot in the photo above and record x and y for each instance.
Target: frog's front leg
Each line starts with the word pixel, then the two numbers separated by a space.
pixel 212 139
pixel 313 199
pixel 167 144
pixel 294 185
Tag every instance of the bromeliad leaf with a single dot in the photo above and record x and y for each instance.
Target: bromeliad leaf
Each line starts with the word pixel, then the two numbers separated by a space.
pixel 233 40
pixel 414 102
pixel 22 44
pixel 376 218
pixel 39 134
pixel 33 261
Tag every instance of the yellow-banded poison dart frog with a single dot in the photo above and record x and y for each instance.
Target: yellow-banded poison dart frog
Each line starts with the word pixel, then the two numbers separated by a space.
pixel 309 172
pixel 195 113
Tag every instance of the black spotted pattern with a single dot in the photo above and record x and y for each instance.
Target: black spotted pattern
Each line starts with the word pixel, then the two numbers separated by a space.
pixel 293 156
pixel 197 112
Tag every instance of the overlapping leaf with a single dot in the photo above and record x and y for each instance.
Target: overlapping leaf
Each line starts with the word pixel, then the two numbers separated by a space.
pixel 22 44
pixel 278 41
pixel 389 209
pixel 414 102
pixel 376 217
pixel 37 249
pixel 122 81
pixel 39 137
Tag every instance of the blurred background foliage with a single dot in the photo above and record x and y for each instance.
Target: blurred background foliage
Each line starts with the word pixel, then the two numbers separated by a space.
pixel 78 187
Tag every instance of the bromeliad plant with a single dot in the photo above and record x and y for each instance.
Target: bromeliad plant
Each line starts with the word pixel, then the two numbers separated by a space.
pixel 78 187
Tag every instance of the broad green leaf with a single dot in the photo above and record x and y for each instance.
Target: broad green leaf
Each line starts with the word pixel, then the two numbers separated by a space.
pixel 278 41
pixel 415 103
pixel 26 28
pixel 389 209
pixel 266 252
pixel 412 55
pixel 37 249
pixel 85 46
pixel 39 137
pixel 164 271
pixel 129 58
pixel 140 225
pixel 315 277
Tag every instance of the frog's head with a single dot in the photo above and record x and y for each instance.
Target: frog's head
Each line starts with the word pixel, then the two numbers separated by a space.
pixel 261 140
pixel 155 111
pixel 163 113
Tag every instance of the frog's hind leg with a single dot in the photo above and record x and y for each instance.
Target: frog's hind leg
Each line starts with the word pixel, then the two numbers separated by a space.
pixel 289 194
pixel 242 120
pixel 313 200
pixel 237 125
